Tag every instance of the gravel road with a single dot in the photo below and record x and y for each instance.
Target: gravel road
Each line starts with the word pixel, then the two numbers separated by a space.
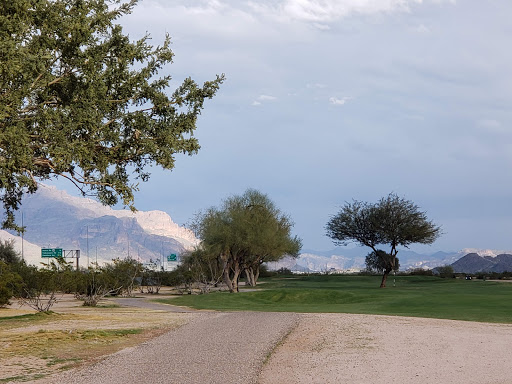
pixel 212 348
pixel 332 348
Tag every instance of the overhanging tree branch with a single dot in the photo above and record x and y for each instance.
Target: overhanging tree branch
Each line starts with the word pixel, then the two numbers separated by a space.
pixel 80 88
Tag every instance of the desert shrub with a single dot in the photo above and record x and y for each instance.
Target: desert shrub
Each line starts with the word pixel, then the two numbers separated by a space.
pixel 170 278
pixel 182 279
pixel 10 280
pixel 10 283
pixel 421 272
pixel 265 272
pixel 7 252
pixel 41 287
pixel 494 275
pixel 121 276
pixel 445 271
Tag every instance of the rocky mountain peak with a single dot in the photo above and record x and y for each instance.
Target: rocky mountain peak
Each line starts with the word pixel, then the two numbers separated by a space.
pixel 55 219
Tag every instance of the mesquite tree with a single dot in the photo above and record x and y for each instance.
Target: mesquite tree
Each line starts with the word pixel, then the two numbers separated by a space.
pixel 244 232
pixel 79 100
pixel 392 221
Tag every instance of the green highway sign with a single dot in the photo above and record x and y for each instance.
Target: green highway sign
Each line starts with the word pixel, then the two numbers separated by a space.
pixel 172 257
pixel 51 252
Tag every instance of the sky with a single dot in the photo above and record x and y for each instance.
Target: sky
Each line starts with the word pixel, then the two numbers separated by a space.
pixel 326 101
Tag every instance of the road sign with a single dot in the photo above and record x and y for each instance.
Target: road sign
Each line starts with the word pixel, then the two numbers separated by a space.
pixel 172 257
pixel 51 252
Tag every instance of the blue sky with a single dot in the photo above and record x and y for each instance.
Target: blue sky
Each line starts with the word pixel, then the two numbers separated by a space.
pixel 332 100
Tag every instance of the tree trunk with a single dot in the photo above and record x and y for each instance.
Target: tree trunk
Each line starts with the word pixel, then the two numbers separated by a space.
pixel 227 279
pixel 249 275
pixel 236 277
pixel 385 277
pixel 257 274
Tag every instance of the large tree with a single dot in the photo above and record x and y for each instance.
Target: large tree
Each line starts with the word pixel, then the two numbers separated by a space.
pixel 79 100
pixel 244 232
pixel 392 221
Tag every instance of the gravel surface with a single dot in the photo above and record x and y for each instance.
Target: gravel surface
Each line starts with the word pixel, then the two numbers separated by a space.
pixel 212 348
pixel 362 349
pixel 142 302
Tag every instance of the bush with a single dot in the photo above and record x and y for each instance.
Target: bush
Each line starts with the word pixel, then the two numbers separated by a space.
pixel 10 283
pixel 445 271
pixel 40 286
pixel 10 280
pixel 264 271
pixel 7 252
pixel 421 272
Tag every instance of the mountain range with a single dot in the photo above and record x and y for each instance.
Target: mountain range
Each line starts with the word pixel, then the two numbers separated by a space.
pixel 475 263
pixel 55 219
pixel 467 260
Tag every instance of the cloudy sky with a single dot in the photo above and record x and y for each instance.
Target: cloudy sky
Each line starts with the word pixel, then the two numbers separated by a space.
pixel 332 100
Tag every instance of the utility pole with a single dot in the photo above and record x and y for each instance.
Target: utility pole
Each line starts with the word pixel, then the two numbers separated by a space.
pixel 87 242
pixel 22 237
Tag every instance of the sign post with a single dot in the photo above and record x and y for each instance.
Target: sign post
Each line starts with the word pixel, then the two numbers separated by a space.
pixel 51 252
pixel 60 253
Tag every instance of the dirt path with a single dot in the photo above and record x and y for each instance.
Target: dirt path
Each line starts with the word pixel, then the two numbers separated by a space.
pixel 212 348
pixel 228 348
pixel 361 349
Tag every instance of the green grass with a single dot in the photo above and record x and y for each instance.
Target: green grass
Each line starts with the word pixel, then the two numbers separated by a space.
pixel 419 296
pixel 55 361
pixel 22 378
pixel 32 318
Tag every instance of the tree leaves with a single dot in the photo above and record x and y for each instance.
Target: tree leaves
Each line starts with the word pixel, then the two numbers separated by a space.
pixel 245 232
pixel 79 100
pixel 392 221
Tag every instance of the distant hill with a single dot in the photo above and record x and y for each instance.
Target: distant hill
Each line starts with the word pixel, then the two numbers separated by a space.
pixel 474 263
pixel 54 219
pixel 353 259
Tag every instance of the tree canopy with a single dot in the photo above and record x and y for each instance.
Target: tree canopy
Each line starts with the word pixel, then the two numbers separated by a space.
pixel 79 100
pixel 244 232
pixel 392 221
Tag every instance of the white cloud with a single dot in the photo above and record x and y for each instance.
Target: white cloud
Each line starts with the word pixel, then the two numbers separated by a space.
pixel 266 98
pixel 322 27
pixel 335 101
pixel 422 29
pixel 193 18
pixel 489 123
pixel 492 125
pixel 317 85
pixel 321 11
pixel 262 98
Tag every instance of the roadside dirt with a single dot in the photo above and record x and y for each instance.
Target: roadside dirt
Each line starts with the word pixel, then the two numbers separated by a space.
pixel 33 347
